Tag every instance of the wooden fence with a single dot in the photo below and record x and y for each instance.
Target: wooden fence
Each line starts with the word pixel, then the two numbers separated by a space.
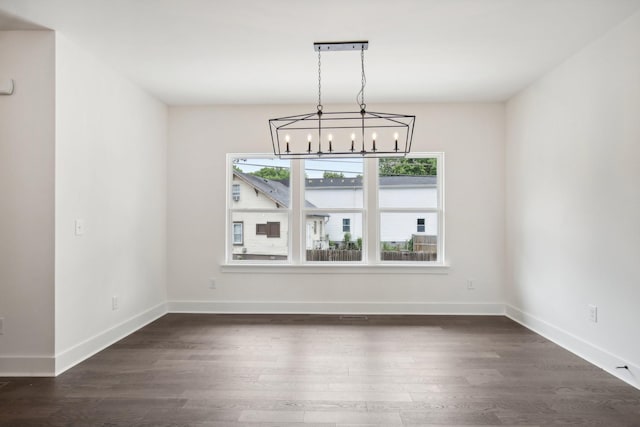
pixel 334 255
pixel 339 255
pixel 408 256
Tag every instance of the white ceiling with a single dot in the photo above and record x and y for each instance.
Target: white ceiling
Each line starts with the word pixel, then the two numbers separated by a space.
pixel 258 51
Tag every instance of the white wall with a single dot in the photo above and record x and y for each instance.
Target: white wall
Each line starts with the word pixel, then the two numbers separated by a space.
pixel 111 173
pixel 471 137
pixel 27 202
pixel 573 201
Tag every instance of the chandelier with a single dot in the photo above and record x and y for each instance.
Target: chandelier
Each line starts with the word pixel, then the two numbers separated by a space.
pixel 360 133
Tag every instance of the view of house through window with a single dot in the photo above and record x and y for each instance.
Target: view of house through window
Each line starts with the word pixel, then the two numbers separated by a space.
pixel 407 223
pixel 334 198
pixel 408 205
pixel 260 203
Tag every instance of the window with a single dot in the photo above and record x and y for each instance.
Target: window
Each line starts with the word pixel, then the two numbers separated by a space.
pixel 264 207
pixel 235 191
pixel 397 207
pixel 334 198
pixel 270 229
pixel 273 229
pixel 238 235
pixel 409 193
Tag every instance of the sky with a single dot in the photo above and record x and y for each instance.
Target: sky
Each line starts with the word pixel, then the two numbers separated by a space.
pixel 314 168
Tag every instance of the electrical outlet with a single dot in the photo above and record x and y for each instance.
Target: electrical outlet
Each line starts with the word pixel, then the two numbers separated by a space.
pixel 115 304
pixel 593 313
pixel 212 283
pixel 1 325
pixel 470 285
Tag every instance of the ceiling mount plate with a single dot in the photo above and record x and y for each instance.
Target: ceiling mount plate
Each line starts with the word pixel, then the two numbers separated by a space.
pixel 329 46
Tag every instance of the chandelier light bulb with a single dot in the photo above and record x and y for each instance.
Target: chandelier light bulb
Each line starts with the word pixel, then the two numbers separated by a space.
pixel 309 137
pixel 395 136
pixel 330 137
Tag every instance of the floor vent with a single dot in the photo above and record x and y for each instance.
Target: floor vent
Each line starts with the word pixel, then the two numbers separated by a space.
pixel 354 317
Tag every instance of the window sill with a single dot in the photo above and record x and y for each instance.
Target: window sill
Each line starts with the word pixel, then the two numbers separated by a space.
pixel 335 268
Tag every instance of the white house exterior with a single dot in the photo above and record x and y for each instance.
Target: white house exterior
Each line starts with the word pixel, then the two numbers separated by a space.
pixel 260 219
pixel 260 215
pixel 395 192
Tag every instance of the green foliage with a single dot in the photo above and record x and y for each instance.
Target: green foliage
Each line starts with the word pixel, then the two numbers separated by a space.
pixel 347 237
pixel 387 247
pixel 408 167
pixel 328 174
pixel 275 174
pixel 410 244
pixel 359 243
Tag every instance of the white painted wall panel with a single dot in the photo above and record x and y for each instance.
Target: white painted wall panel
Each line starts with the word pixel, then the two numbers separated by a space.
pixel 27 159
pixel 572 135
pixel 111 172
pixel 471 137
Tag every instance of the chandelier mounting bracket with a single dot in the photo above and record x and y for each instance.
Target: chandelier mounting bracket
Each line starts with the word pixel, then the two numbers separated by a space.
pixel 335 46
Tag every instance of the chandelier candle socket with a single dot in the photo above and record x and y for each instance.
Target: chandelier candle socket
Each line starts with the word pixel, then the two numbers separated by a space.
pixel 391 134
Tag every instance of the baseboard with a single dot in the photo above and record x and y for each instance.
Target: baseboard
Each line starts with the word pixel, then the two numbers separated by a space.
pixel 27 366
pixel 82 351
pixel 297 307
pixel 586 350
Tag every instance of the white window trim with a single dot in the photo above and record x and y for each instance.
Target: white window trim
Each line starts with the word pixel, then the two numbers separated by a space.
pixel 229 215
pixel 440 261
pixel 304 211
pixel 233 232
pixel 296 263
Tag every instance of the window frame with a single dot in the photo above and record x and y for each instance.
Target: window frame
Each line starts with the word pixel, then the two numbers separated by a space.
pixel 233 233
pixel 235 194
pixel 439 211
pixel 370 211
pixel 229 245
pixel 319 211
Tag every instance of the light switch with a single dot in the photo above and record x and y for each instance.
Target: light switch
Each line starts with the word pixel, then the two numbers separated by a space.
pixel 79 223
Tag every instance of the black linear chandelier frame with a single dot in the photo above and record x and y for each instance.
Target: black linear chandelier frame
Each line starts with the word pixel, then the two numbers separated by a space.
pixel 392 132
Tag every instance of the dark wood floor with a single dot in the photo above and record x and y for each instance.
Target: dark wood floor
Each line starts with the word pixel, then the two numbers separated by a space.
pixel 296 370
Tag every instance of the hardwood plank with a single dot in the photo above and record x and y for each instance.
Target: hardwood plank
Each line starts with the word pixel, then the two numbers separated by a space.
pixel 315 370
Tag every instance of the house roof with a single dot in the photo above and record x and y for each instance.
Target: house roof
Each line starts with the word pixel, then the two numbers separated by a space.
pixel 275 190
pixel 408 181
pixel 278 191
pixel 385 181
